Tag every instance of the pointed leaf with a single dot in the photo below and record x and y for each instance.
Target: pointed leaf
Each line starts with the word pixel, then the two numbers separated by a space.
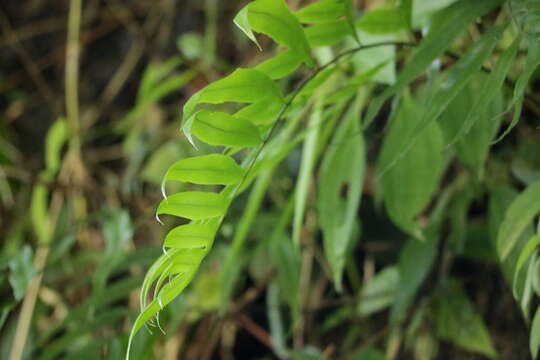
pixel 407 186
pixel 273 18
pixel 457 321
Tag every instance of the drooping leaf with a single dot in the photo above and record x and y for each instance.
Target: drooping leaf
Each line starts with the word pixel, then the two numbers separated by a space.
pixel 452 82
pixel 242 85
pixel 242 21
pixel 517 217
pixel 456 320
pixel 489 92
pixel 451 23
pixel 194 205
pixel 206 170
pixel 382 21
pixel 342 166
pixel 217 128
pixel 501 198
pixel 532 62
pixel 408 186
pixel 472 148
pixel 273 18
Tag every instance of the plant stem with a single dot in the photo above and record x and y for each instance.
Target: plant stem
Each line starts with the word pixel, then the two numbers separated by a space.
pixel 72 75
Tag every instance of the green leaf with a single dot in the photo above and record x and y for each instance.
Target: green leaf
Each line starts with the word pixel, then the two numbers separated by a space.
pixel 456 320
pixel 217 128
pixel 517 217
pixel 166 295
pixel 422 10
pixel 273 18
pixel 194 205
pixel 350 17
pixel 56 138
pixel 489 92
pixel 415 262
pixel 451 83
pixel 379 292
pixel 261 113
pixel 533 61
pixel 279 66
pixel 242 85
pixel 472 148
pixel 327 34
pixel 407 187
pixel 382 21
pixel 321 11
pixel 535 334
pixel 452 22
pixel 191 236
pixel 527 15
pixel 21 271
pixel 526 252
pixel 206 170
pixel 342 166
pixel 242 21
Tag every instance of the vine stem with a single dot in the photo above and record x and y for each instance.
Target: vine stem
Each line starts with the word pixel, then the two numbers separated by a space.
pixel 280 116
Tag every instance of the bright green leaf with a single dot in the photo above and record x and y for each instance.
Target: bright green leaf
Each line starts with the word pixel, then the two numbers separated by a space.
pixel 217 128
pixel 194 205
pixel 321 11
pixel 206 170
pixel 382 21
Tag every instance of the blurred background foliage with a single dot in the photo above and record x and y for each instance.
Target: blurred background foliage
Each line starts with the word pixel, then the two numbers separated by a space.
pixel 79 189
